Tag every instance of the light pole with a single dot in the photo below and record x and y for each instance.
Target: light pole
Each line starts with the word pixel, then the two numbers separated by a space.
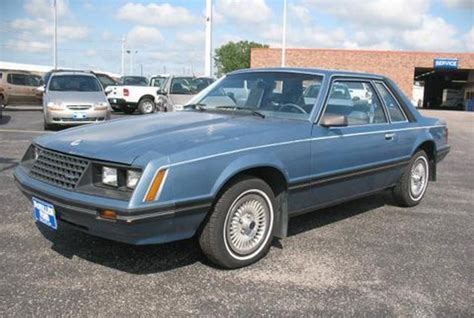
pixel 283 38
pixel 131 52
pixel 208 50
pixel 123 56
pixel 55 35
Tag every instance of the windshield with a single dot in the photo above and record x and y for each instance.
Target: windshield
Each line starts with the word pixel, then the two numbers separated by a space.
pixel 74 83
pixel 157 81
pixel 277 94
pixel 134 81
pixel 189 85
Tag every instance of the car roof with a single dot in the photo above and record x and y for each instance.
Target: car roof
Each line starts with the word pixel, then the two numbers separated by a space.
pixel 60 73
pixel 315 71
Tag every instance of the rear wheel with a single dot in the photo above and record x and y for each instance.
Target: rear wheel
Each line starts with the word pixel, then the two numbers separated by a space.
pixel 239 230
pixel 413 184
pixel 146 106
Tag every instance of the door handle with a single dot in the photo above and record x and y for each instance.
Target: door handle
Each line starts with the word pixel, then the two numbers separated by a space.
pixel 390 136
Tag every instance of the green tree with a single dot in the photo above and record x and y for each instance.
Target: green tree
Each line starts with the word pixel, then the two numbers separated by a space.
pixel 234 55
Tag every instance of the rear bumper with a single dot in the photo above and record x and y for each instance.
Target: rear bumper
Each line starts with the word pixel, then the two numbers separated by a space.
pixel 133 226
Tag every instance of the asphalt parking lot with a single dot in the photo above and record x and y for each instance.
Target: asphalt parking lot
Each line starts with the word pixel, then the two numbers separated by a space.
pixel 364 258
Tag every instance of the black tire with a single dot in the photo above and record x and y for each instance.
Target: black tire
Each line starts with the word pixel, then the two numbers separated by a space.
pixel 402 193
pixel 48 126
pixel 214 238
pixel 146 106
pixel 129 111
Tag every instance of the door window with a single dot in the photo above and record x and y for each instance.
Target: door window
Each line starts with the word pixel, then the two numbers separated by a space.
pixel 396 114
pixel 357 101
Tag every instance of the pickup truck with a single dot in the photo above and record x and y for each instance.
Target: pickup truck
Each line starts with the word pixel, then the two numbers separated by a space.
pixel 164 93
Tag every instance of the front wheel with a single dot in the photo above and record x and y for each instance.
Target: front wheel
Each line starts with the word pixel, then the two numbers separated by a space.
pixel 412 185
pixel 239 230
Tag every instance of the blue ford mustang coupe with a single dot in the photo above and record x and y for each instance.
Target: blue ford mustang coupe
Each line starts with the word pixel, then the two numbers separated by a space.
pixel 250 151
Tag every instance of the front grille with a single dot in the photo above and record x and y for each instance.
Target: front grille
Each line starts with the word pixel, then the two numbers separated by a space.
pixel 58 169
pixel 79 107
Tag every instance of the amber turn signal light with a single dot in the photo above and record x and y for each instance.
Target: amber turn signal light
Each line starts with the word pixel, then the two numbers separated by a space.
pixel 108 214
pixel 155 186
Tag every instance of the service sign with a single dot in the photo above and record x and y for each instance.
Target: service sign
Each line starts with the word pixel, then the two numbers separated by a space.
pixel 442 63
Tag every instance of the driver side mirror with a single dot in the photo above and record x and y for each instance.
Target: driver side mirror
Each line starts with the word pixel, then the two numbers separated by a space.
pixel 40 89
pixel 161 92
pixel 334 121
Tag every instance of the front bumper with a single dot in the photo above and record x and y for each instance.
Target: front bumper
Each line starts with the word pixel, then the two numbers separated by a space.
pixel 75 117
pixel 120 104
pixel 133 226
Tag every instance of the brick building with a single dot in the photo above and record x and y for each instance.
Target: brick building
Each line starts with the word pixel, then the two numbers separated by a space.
pixel 405 68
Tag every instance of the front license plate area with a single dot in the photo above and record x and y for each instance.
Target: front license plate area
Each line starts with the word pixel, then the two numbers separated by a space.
pixel 79 116
pixel 44 212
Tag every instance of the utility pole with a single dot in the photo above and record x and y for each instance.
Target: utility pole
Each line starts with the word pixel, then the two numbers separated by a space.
pixel 208 50
pixel 55 35
pixel 122 71
pixel 283 39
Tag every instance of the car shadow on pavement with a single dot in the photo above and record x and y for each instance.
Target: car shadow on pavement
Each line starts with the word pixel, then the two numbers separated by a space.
pixel 140 260
pixel 150 259
pixel 333 214
pixel 5 119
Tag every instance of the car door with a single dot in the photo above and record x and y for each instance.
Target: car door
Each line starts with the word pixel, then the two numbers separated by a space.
pixel 352 160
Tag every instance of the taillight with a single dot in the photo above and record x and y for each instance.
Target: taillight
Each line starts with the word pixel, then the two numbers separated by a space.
pixel 125 92
pixel 1 89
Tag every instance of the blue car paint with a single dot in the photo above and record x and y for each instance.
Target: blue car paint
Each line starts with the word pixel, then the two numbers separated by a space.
pixel 202 151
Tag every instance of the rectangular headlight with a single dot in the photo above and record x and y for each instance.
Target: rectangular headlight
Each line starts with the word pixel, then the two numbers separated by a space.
pixel 132 178
pixel 109 176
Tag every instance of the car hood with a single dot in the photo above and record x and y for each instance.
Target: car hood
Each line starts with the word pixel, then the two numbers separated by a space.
pixel 177 135
pixel 76 97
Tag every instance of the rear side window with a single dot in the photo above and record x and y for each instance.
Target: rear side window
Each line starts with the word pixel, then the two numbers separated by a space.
pixel 393 107
pixel 17 79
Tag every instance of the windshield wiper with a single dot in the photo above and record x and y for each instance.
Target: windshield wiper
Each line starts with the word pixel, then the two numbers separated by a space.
pixel 248 109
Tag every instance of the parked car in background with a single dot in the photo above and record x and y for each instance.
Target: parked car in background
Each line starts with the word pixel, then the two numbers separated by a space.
pixel 133 81
pixel 178 90
pixel 72 98
pixel 166 93
pixel 19 87
pixel 105 80
pixel 158 80
pixel 232 172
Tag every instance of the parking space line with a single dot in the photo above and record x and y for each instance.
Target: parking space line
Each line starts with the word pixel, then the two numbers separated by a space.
pixel 26 131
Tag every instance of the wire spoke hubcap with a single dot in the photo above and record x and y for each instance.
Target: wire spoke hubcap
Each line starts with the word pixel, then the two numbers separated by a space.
pixel 247 224
pixel 418 178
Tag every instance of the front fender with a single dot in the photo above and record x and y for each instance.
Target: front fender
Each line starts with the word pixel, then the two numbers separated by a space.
pixel 247 162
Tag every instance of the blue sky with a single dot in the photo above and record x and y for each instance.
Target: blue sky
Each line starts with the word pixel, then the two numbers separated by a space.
pixel 170 34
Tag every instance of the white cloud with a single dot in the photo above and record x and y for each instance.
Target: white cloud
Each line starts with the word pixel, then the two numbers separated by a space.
pixel 193 38
pixel 28 46
pixel 44 8
pixel 144 36
pixel 157 14
pixel 245 11
pixel 469 40
pixel 459 4
pixel 32 28
pixel 435 34
pixel 301 13
pixel 399 13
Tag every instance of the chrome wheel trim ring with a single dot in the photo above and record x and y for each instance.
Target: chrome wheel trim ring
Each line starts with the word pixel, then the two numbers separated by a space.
pixel 147 107
pixel 419 174
pixel 252 212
